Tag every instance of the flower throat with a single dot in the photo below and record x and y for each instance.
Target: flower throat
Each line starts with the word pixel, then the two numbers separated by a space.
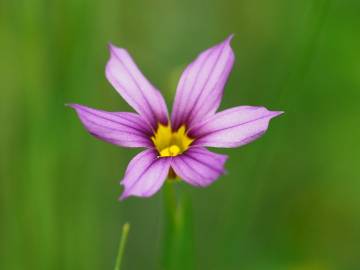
pixel 169 143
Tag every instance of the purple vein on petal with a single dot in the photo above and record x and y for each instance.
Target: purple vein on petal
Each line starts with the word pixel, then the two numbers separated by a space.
pixel 114 127
pixel 132 85
pixel 233 127
pixel 202 81
pixel 145 174
pixel 144 130
pixel 180 99
pixel 201 93
pixel 133 79
pixel 199 166
pixel 190 178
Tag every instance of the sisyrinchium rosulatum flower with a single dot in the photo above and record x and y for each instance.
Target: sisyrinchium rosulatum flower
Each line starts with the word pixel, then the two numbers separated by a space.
pixel 175 145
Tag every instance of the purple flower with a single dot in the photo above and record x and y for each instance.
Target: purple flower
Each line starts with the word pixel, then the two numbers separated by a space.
pixel 175 144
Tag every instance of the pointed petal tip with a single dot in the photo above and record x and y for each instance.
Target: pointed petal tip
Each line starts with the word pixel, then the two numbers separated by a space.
pixel 230 37
pixel 125 195
pixel 72 105
pixel 113 49
pixel 122 197
pixel 228 40
pixel 111 46
pixel 277 113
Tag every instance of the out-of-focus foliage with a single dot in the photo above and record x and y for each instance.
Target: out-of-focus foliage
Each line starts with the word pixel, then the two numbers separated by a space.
pixel 291 200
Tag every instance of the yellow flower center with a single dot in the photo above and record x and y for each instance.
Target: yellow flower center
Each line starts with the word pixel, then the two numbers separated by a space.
pixel 169 143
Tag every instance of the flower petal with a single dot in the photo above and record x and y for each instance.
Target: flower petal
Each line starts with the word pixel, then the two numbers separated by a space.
pixel 120 128
pixel 233 127
pixel 198 166
pixel 130 83
pixel 200 88
pixel 145 174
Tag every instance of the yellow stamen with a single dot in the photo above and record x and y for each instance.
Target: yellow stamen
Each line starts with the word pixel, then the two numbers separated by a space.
pixel 169 143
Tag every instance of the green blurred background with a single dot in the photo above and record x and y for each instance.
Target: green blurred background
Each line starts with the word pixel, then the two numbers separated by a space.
pixel 291 200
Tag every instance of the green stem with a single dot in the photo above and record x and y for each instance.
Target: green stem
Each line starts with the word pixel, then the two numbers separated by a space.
pixel 123 239
pixel 178 245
